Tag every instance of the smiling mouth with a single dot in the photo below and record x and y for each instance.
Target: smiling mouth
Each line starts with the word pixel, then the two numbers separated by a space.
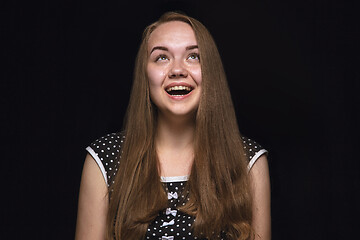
pixel 178 90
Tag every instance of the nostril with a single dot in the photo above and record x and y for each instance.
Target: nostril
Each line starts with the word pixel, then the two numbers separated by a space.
pixel 175 74
pixel 178 70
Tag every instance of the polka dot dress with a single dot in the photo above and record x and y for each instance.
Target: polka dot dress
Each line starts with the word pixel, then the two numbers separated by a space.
pixel 170 224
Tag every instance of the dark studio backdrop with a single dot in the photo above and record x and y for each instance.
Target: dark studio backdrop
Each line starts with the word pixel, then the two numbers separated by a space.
pixel 293 70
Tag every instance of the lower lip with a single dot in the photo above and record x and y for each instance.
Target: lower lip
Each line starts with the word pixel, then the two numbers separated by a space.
pixel 178 97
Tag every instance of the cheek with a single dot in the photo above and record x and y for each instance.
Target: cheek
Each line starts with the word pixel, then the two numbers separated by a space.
pixel 197 76
pixel 156 79
pixel 155 76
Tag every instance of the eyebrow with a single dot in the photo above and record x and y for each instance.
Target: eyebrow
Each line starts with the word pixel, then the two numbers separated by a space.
pixel 166 49
pixel 159 48
pixel 192 47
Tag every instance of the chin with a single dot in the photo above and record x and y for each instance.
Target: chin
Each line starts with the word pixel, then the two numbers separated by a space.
pixel 180 113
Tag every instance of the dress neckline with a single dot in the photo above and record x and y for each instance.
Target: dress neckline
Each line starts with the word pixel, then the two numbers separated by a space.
pixel 175 179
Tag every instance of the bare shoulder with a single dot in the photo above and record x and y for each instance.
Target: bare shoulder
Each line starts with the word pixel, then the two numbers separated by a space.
pixel 260 169
pixel 93 202
pixel 260 181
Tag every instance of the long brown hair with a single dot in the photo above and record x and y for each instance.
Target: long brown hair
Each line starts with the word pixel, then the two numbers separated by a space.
pixel 219 195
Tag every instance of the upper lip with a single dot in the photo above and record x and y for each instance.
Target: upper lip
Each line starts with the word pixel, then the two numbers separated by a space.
pixel 174 84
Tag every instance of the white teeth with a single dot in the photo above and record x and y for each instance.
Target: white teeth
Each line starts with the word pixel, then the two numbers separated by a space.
pixel 178 88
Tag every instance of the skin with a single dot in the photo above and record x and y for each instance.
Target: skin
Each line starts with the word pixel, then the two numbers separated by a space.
pixel 260 181
pixel 172 60
pixel 93 203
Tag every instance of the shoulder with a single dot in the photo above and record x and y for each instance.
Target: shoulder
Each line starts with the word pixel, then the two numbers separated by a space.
pixel 252 150
pixel 106 151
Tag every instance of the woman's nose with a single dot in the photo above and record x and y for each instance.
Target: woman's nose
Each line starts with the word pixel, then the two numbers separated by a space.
pixel 178 70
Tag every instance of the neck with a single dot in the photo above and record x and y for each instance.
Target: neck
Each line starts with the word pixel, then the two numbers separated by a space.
pixel 175 132
pixel 174 145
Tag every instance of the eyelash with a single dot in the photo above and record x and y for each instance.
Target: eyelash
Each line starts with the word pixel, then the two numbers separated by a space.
pixel 196 55
pixel 193 56
pixel 158 58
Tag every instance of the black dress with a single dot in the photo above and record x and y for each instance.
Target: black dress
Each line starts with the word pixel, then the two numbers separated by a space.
pixel 170 224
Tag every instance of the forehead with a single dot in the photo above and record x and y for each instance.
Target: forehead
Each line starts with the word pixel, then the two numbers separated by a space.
pixel 174 33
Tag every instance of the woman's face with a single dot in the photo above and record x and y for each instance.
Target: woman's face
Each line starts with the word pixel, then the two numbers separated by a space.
pixel 173 69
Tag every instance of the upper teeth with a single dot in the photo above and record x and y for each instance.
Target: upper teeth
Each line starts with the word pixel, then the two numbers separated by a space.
pixel 178 88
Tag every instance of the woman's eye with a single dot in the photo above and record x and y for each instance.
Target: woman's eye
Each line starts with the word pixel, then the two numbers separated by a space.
pixel 194 56
pixel 161 58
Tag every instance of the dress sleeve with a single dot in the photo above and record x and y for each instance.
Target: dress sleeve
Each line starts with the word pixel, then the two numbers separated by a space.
pixel 252 150
pixel 106 152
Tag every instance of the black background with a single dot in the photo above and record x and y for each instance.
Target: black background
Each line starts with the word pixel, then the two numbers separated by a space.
pixel 293 70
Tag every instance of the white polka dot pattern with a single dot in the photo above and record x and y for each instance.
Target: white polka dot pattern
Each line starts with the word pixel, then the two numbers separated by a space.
pixel 251 147
pixel 107 149
pixel 170 224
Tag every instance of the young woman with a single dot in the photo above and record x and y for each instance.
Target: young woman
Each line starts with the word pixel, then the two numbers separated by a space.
pixel 180 169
